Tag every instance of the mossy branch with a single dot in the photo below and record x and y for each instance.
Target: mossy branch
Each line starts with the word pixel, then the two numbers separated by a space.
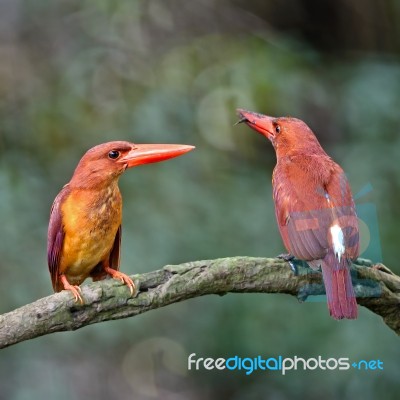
pixel 107 300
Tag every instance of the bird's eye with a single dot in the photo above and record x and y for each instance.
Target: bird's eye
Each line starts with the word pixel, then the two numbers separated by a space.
pixel 113 154
pixel 277 128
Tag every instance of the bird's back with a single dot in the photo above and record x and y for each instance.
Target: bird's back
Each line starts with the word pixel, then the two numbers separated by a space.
pixel 311 194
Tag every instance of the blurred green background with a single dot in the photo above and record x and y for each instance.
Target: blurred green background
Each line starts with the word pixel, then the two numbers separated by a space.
pixel 77 73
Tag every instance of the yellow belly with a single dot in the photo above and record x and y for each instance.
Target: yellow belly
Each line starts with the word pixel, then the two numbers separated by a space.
pixel 91 222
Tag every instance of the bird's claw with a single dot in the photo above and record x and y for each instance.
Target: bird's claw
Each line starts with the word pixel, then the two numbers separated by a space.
pixel 293 267
pixel 74 289
pixel 289 258
pixel 128 282
pixel 286 256
pixel 125 279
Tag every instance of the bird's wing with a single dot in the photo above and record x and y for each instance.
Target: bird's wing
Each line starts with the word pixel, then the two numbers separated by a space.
pixel 116 250
pixel 344 213
pixel 98 272
pixel 305 215
pixel 300 225
pixel 55 237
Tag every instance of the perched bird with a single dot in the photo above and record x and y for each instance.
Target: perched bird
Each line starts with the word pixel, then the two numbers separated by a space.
pixel 84 235
pixel 314 206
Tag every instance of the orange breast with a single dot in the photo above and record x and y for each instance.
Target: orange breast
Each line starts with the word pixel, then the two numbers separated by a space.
pixel 91 220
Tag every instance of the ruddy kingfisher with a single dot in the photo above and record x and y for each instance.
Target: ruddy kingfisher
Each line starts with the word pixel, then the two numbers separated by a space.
pixel 84 234
pixel 314 206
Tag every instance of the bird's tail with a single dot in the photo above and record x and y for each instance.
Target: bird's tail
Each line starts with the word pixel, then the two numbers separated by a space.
pixel 339 289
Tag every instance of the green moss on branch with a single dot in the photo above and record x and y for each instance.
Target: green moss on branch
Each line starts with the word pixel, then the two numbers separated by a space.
pixel 106 300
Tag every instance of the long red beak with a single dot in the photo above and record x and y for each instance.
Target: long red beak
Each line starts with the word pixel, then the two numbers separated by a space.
pixel 152 153
pixel 259 122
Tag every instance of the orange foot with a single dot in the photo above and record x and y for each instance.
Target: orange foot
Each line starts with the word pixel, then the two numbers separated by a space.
pixel 76 290
pixel 122 277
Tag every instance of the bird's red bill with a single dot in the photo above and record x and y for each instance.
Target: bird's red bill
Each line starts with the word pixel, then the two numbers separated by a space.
pixel 152 153
pixel 259 122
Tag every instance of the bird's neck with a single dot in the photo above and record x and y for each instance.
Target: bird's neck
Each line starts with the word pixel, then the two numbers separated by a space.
pixel 296 144
pixel 97 194
pixel 300 150
pixel 306 158
pixel 101 200
pixel 92 179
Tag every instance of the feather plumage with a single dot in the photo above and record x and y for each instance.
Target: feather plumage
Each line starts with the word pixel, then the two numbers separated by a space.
pixel 314 206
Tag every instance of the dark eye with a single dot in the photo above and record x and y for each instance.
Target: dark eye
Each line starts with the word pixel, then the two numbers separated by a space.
pixel 113 154
pixel 277 128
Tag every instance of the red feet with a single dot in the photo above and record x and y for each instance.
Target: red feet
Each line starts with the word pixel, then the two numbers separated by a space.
pixel 76 290
pixel 122 277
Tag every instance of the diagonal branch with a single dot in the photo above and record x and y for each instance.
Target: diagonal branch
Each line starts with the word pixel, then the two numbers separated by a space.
pixel 107 300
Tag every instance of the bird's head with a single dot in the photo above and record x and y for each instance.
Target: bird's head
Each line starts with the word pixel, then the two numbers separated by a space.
pixel 104 163
pixel 288 135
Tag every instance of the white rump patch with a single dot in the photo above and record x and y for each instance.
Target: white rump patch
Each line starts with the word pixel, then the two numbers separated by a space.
pixel 337 240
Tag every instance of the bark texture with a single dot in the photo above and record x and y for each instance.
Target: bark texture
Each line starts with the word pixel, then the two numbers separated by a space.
pixel 377 290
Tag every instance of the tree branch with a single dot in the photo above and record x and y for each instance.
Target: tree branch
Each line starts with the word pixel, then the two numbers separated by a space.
pixel 109 299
